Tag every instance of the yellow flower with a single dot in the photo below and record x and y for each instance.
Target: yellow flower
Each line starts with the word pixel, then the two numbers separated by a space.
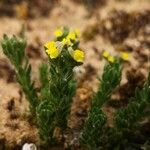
pixel 58 32
pixel 71 36
pixel 106 54
pixel 78 55
pixel 125 56
pixel 51 49
pixel 77 32
pixel 111 59
pixel 66 41
pixel 50 44
pixel 53 52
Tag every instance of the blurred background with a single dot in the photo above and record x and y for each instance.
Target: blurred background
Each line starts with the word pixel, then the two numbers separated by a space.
pixel 105 24
pixel 112 25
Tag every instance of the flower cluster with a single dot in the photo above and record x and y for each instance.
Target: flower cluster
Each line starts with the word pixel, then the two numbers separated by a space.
pixel 52 50
pixel 60 86
pixel 124 56
pixel 65 41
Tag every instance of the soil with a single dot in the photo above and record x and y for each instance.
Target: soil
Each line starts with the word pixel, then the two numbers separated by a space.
pixel 114 25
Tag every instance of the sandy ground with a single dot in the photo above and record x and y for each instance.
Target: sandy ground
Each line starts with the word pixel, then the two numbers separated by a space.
pixel 40 30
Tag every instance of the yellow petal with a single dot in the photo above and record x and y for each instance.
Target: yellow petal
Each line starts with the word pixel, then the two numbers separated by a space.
pixel 106 54
pixel 50 44
pixel 111 59
pixel 64 41
pixel 71 36
pixel 78 55
pixel 53 52
pixel 125 56
pixel 77 32
pixel 58 33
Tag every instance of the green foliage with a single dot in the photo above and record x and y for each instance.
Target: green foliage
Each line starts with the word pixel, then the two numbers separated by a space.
pixel 127 120
pixel 56 106
pixel 92 134
pixel 62 88
pixel 58 88
pixel 44 74
pixel 51 106
pixel 45 110
pixel 14 49
pixel 97 134
pixel 44 79
pixel 110 79
pixel 46 123
pixel 93 128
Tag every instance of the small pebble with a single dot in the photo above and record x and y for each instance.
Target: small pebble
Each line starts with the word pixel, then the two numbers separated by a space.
pixel 27 146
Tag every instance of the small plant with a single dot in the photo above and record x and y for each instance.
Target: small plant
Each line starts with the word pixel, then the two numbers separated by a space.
pixel 96 133
pixel 127 120
pixel 92 133
pixel 14 49
pixel 63 55
pixel 51 106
